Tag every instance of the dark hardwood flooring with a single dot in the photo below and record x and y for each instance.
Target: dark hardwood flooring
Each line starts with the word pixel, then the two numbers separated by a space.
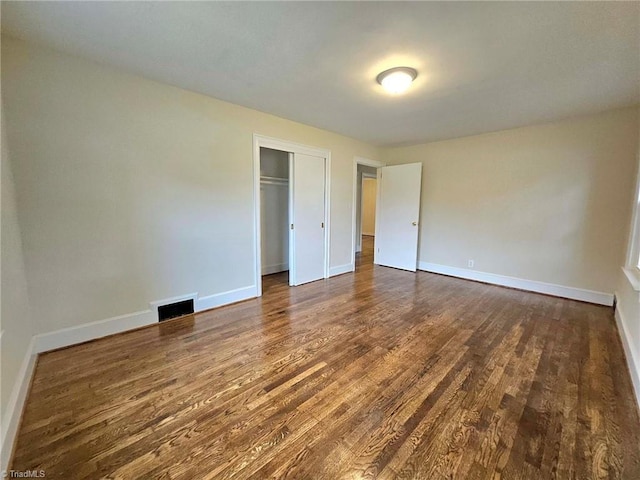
pixel 378 374
pixel 365 257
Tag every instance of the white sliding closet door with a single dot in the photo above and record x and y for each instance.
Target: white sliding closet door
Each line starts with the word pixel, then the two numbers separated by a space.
pixel 307 213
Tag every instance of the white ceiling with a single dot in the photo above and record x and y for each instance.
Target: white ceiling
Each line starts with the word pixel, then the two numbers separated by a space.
pixel 482 66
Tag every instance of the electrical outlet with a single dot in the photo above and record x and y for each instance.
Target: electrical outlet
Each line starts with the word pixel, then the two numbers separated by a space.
pixel 470 263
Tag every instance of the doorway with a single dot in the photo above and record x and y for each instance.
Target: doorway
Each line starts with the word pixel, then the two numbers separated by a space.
pixel 364 210
pixel 366 214
pixel 291 196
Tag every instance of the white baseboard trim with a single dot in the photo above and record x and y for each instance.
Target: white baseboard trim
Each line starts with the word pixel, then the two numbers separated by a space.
pixel 633 361
pixel 278 267
pixel 15 405
pixel 225 298
pixel 340 269
pixel 590 296
pixel 102 328
pixel 91 331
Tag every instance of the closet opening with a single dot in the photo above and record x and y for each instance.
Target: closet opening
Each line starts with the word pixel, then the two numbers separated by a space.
pixel 274 216
pixel 292 204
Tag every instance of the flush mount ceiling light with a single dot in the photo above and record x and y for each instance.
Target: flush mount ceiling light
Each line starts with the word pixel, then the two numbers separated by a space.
pixel 397 80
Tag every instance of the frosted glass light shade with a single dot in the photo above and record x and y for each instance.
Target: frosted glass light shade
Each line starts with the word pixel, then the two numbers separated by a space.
pixel 397 80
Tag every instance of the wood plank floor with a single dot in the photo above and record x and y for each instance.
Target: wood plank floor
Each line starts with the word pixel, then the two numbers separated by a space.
pixel 378 374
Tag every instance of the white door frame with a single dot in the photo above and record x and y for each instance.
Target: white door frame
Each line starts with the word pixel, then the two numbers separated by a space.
pixel 290 147
pixel 354 229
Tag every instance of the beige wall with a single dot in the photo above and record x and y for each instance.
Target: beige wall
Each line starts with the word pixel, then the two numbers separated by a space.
pixel 369 206
pixel 15 322
pixel 132 191
pixel 549 203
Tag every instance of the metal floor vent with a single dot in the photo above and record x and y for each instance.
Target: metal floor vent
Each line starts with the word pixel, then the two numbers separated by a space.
pixel 173 310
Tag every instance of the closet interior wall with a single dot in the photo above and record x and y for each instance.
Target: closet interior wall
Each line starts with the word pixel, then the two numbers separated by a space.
pixel 274 210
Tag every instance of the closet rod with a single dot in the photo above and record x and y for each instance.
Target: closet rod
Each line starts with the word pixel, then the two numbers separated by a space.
pixel 274 180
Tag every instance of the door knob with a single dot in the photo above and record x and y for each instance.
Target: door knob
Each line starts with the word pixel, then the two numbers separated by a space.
pixel 414 223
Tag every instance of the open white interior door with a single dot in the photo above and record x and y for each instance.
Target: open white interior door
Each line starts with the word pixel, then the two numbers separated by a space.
pixel 307 219
pixel 397 221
